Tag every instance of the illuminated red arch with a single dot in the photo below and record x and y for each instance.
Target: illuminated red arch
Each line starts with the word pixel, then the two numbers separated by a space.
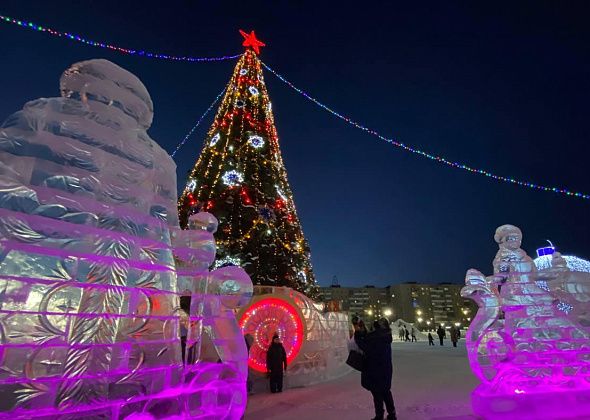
pixel 262 320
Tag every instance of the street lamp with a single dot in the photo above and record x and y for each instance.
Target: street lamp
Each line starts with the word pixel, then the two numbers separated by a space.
pixel 419 319
pixel 418 312
pixel 370 311
pixel 387 312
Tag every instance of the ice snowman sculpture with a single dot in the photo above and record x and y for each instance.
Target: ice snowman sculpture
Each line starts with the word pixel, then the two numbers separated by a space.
pixel 529 343
pixel 91 257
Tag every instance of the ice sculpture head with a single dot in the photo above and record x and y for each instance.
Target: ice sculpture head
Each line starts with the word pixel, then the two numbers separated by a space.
pixel 101 81
pixel 205 221
pixel 195 248
pixel 233 285
pixel 508 236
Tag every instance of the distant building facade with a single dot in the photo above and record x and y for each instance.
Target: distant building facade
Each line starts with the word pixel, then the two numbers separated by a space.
pixel 426 305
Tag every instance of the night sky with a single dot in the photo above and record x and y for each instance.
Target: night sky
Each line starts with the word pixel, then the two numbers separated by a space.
pixel 503 86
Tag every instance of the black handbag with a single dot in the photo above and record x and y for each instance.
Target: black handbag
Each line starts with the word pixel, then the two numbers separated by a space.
pixel 355 360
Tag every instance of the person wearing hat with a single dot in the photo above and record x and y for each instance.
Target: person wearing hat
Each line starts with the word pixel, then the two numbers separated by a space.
pixel 276 364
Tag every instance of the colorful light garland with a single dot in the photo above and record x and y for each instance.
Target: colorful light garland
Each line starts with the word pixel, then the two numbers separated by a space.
pixel 439 159
pixel 142 53
pixel 198 123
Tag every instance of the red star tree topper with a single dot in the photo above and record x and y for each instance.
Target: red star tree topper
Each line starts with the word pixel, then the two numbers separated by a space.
pixel 251 41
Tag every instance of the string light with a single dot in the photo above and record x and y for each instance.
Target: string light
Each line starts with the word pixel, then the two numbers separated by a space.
pixel 198 123
pixel 142 53
pixel 422 153
pixel 573 263
pixel 225 261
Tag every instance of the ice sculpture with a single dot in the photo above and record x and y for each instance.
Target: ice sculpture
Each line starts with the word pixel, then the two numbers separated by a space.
pixel 315 340
pixel 92 263
pixel 529 343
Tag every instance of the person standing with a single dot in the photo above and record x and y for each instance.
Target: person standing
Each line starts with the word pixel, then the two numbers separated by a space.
pixel 414 335
pixel 249 340
pixel 454 336
pixel 430 339
pixel 407 333
pixel 378 367
pixel 441 334
pixel 276 364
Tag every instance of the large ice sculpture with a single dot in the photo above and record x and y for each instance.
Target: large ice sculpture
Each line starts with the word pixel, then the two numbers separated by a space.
pixel 529 343
pixel 92 262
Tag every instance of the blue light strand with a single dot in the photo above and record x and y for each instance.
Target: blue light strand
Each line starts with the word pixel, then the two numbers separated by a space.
pixel 142 53
pixel 438 159
pixel 198 122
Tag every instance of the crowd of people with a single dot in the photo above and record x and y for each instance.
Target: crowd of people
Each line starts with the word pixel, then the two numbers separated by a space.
pixel 409 334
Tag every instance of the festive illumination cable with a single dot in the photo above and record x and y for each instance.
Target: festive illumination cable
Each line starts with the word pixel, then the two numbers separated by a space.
pixel 439 159
pixel 74 37
pixel 198 122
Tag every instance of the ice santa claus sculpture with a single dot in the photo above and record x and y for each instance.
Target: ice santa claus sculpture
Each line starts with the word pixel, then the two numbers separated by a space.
pixel 529 343
pixel 90 259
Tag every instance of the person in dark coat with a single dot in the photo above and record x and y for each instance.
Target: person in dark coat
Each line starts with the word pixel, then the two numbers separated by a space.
pixel 407 333
pixel 441 334
pixel 249 340
pixel 430 339
pixel 378 369
pixel 454 336
pixel 276 364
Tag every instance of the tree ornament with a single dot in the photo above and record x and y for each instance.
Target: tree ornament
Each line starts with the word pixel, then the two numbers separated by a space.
pixel 256 141
pixel 214 140
pixel 232 178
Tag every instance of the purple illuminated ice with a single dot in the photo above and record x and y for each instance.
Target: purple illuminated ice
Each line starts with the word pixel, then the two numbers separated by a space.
pixel 529 343
pixel 92 263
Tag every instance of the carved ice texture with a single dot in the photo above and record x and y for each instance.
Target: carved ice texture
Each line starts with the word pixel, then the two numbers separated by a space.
pixel 529 343
pixel 315 354
pixel 92 263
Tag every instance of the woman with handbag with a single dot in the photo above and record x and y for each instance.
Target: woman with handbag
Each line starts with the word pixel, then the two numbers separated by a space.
pixel 378 368
pixel 355 354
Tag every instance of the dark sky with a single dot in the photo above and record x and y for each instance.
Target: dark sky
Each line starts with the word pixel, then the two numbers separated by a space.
pixel 503 86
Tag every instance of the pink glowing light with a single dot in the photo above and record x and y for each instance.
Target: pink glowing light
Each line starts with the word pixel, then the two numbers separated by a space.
pixel 265 318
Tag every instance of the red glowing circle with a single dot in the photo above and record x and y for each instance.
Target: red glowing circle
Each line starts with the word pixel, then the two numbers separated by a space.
pixel 265 318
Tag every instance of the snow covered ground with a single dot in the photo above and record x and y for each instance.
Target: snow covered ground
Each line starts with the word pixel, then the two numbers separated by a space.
pixel 428 383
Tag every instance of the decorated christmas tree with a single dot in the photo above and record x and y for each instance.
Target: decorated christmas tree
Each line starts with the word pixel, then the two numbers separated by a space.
pixel 241 179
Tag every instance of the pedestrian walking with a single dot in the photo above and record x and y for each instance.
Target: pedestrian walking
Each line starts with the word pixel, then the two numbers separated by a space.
pixel 430 339
pixel 276 364
pixel 414 335
pixel 378 367
pixel 441 334
pixel 407 334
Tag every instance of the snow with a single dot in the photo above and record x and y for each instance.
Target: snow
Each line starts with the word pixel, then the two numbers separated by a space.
pixel 428 383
